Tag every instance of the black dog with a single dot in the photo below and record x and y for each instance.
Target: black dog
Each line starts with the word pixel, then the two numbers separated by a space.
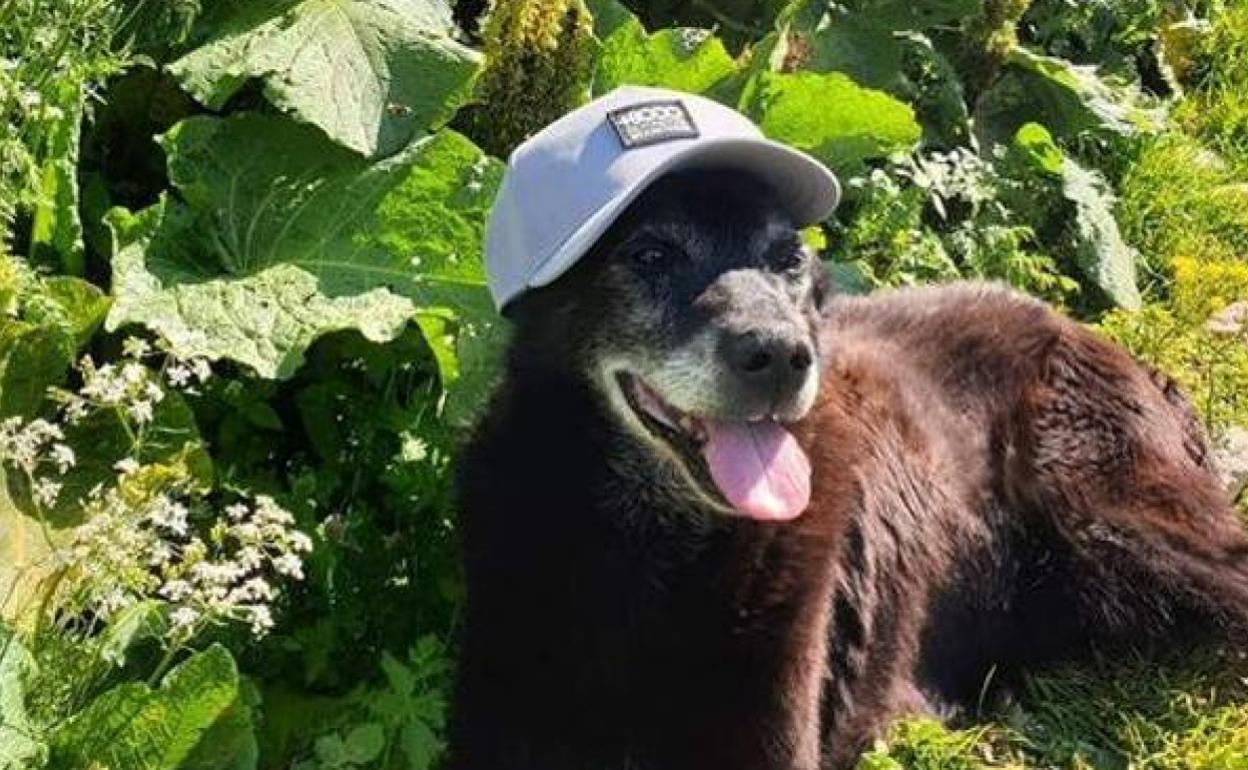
pixel 982 485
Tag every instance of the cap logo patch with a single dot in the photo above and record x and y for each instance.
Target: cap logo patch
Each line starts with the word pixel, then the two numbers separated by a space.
pixel 649 123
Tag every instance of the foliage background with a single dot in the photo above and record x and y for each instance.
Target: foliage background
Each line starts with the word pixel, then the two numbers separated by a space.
pixel 293 192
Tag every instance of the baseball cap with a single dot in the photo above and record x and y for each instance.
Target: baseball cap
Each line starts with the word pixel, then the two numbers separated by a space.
pixel 568 183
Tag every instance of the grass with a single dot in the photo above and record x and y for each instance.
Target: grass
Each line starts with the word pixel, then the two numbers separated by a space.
pixel 1181 199
pixel 1216 110
pixel 1114 715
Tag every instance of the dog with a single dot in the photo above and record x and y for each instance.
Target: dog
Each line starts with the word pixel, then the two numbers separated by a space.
pixel 719 515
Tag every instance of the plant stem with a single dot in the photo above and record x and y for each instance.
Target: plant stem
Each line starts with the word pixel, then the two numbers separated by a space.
pixel 163 666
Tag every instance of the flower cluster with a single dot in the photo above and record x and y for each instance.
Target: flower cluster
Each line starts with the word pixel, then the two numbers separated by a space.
pixel 153 532
pixel 130 550
pixel 130 389
pixel 31 447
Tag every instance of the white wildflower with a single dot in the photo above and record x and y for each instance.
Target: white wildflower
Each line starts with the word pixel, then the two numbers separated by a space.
pixel 126 466
pixel 170 516
pixel 175 590
pixel 183 618
pixel 113 601
pixel 141 412
pixel 300 542
pixel 249 558
pixel 63 456
pixel 290 565
pixel 202 369
pixel 135 347
pixel 75 409
pixel 45 492
pixel 179 375
pixel 161 554
pixel 261 620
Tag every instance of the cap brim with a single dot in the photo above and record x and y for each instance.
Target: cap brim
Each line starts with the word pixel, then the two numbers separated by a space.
pixel 805 188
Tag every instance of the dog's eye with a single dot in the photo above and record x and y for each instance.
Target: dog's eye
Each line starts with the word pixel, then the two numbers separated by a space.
pixel 652 254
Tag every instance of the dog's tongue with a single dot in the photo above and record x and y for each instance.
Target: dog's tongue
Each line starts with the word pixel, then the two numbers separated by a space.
pixel 759 468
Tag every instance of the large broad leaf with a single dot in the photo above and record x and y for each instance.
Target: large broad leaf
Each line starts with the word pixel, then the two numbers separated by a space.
pixel 28 558
pixel 904 64
pixel 1070 99
pixel 32 358
pixel 1086 211
pixel 138 728
pixel 683 59
pixel 18 747
pixel 830 116
pixel 372 74
pixel 230 744
pixel 1101 252
pixel 285 237
pixel 80 305
pixel 884 14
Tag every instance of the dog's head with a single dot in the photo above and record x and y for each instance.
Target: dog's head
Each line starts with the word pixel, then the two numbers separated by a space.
pixel 695 317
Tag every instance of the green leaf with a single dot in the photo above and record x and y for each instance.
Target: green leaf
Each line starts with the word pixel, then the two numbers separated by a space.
pixel 609 15
pixel 420 745
pixel 131 625
pixel 683 59
pixel 82 304
pixel 1101 253
pixel 230 744
pixel 1069 99
pixel 28 561
pixel 869 54
pixel 479 348
pixel 850 277
pixel 19 748
pixel 155 27
pixel 831 117
pixel 32 358
pixel 101 440
pixel 285 237
pixel 138 728
pixel 1034 144
pixel 883 14
pixel 331 751
pixel 912 14
pixel 903 64
pixel 364 743
pixel 56 229
pixel 372 74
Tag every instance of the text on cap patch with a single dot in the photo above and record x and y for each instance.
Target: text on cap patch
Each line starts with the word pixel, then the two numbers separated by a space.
pixel 652 122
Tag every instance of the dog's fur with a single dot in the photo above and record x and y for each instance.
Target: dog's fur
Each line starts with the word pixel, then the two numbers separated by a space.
pixel 995 488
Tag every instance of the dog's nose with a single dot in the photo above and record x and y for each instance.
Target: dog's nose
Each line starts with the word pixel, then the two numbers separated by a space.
pixel 771 360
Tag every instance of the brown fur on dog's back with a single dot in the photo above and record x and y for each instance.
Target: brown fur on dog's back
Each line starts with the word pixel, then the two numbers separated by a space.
pixel 1028 489
pixel 994 487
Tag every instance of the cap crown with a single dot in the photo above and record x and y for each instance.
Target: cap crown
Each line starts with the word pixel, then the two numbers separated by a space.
pixel 561 176
pixel 565 185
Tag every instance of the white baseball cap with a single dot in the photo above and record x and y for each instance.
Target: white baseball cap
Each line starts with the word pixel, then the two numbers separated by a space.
pixel 567 184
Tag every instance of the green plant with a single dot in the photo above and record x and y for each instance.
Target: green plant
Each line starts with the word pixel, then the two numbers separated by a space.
pixel 1217 113
pixel 1208 361
pixel 1181 199
pixel 538 58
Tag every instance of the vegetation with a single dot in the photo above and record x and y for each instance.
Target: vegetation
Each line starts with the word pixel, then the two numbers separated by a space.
pixel 243 324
